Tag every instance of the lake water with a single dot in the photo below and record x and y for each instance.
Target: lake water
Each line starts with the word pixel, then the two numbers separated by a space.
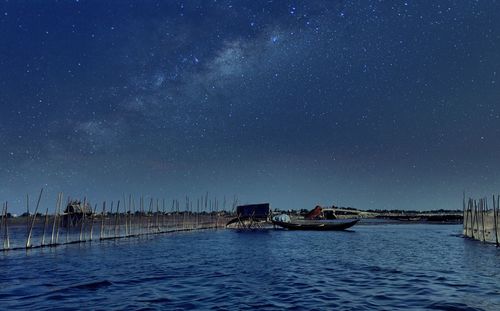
pixel 371 267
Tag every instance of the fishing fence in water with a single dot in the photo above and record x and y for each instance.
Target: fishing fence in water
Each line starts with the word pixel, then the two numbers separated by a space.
pixel 481 221
pixel 80 222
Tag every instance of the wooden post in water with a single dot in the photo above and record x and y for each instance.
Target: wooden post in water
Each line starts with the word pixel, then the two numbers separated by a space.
pixel 108 233
pixel 471 222
pixel 102 220
pixel 497 220
pixel 498 214
pixel 53 235
pixel 5 223
pixel 464 221
pixel 478 230
pixel 45 226
pixel 198 213
pixel 28 240
pixel 185 214
pixel 92 221
pixel 495 227
pixel 216 213
pixel 191 213
pixel 466 214
pixel 68 222
pixel 1 223
pixel 125 214
pixel 163 215
pixel 176 215
pixel 82 220
pixel 126 210
pixel 128 220
pixel 207 219
pixel 172 215
pixel 474 218
pixel 28 218
pixel 141 210
pixel 133 219
pixel 149 215
pixel 117 219
pixel 483 210
pixel 186 206
pixel 157 229
pixel 59 218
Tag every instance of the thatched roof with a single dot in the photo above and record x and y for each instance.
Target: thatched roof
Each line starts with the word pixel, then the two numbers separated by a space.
pixel 77 207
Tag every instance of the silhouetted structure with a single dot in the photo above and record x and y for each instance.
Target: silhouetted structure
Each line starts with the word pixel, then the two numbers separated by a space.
pixel 75 212
pixel 251 216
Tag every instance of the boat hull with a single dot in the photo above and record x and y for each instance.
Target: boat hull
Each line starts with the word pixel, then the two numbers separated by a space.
pixel 316 226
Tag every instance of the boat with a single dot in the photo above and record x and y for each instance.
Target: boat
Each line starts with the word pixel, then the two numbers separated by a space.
pixel 316 225
pixel 318 219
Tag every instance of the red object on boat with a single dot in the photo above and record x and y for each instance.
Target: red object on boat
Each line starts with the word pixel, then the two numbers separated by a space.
pixel 314 213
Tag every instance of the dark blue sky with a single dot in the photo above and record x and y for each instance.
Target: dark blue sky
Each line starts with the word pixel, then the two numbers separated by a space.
pixel 370 104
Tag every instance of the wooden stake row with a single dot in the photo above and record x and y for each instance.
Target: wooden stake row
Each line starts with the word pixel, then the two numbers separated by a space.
pixel 121 220
pixel 480 222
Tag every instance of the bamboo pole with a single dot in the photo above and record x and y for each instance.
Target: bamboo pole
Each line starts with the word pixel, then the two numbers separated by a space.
pixel 45 226
pixel 28 218
pixel 52 237
pixel 464 221
pixel 172 217
pixel 28 240
pixel 163 215
pixel 216 214
pixel 157 215
pixel 4 223
pixel 148 218
pixel 82 220
pixel 197 213
pixel 1 225
pixel 471 222
pixel 185 214
pixel 111 216
pixel 483 207
pixel 92 221
pixel 190 215
pixel 68 220
pixel 102 220
pixel 466 218
pixel 474 219
pixel 178 217
pixel 478 236
pixel 175 211
pixel 125 214
pixel 134 218
pixel 6 226
pixel 141 211
pixel 59 218
pixel 495 221
pixel 117 218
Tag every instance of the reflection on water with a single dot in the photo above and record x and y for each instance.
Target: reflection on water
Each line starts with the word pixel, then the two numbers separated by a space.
pixel 372 267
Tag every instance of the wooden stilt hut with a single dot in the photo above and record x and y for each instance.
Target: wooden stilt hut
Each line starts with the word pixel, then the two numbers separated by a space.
pixel 75 213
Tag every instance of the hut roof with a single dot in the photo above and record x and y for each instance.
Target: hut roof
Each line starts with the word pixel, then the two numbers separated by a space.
pixel 77 207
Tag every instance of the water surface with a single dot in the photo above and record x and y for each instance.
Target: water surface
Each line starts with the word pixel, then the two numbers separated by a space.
pixel 371 267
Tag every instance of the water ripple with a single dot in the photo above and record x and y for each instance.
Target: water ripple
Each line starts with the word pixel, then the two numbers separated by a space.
pixel 403 267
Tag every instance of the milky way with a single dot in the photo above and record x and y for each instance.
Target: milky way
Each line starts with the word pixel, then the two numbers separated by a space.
pixel 370 104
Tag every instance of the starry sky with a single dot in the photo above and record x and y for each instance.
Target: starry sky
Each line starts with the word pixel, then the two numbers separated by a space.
pixel 369 104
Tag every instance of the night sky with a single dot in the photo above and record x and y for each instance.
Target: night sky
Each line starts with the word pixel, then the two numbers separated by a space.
pixel 369 104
